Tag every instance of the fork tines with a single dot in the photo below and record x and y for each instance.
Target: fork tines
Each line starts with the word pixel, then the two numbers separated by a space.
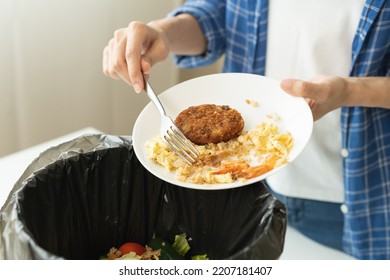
pixel 179 143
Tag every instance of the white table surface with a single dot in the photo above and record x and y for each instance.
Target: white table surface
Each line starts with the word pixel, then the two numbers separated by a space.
pixel 297 246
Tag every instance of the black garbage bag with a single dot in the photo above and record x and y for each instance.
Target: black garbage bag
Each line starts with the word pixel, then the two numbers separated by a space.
pixel 79 199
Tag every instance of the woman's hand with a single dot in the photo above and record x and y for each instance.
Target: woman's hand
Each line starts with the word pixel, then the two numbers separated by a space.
pixel 323 93
pixel 134 50
pixel 327 93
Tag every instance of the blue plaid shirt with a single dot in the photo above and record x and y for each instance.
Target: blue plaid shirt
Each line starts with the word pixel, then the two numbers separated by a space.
pixel 238 29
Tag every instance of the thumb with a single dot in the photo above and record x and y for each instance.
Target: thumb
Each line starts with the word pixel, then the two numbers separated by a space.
pixel 145 65
pixel 299 88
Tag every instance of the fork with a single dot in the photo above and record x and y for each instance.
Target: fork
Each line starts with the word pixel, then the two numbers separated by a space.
pixel 170 133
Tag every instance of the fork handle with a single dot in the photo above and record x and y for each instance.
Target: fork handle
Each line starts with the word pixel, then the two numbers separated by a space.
pixel 153 97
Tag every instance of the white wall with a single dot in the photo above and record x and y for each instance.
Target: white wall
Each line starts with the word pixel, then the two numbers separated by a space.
pixel 51 80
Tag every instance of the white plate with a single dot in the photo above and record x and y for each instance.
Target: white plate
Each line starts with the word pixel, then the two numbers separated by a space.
pixel 231 89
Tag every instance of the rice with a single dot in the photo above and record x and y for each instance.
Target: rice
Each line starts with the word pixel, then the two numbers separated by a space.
pixel 250 155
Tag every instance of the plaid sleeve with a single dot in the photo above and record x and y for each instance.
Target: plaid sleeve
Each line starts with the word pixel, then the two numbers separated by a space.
pixel 366 136
pixel 210 15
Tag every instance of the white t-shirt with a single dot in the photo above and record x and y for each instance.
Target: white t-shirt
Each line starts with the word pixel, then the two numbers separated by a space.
pixel 307 38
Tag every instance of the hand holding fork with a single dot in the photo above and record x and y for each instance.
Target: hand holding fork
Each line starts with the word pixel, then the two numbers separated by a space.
pixel 169 133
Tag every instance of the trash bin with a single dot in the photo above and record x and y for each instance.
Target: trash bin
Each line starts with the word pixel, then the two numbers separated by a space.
pixel 80 198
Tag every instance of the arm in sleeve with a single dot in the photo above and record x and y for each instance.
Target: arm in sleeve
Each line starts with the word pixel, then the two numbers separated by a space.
pixel 210 15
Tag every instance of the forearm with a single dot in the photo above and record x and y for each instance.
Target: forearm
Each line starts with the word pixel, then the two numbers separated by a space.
pixel 368 92
pixel 183 34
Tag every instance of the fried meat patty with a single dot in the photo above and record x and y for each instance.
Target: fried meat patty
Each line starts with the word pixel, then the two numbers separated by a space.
pixel 209 123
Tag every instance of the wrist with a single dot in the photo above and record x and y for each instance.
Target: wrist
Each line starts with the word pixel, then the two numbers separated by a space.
pixel 352 91
pixel 183 34
pixel 368 91
pixel 163 27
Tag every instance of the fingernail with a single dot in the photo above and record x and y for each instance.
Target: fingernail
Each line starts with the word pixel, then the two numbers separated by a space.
pixel 137 88
pixel 287 84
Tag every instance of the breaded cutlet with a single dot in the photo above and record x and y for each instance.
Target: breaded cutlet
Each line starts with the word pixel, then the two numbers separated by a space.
pixel 210 123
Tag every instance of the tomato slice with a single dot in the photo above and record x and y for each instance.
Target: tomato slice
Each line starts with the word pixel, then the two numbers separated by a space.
pixel 132 247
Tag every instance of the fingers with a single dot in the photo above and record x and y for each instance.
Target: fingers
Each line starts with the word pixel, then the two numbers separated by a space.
pixel 136 45
pixel 150 47
pixel 107 68
pixel 122 57
pixel 133 51
pixel 114 60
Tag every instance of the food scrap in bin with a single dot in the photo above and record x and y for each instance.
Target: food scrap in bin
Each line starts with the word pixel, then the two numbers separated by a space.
pixel 157 249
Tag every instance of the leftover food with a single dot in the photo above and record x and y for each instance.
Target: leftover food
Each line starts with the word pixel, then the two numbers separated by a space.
pixel 249 155
pixel 157 249
pixel 210 123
